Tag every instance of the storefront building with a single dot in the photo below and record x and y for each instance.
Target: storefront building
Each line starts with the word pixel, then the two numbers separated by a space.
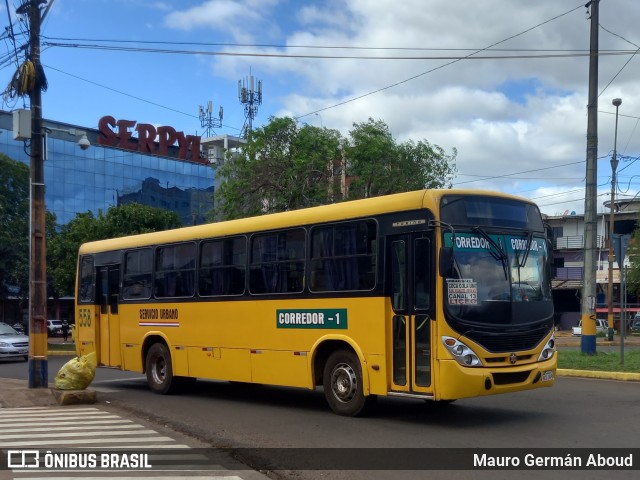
pixel 117 168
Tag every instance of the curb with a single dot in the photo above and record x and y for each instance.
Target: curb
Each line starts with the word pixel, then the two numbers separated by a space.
pixel 622 376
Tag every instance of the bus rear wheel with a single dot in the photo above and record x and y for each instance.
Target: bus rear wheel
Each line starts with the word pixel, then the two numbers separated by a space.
pixel 343 386
pixel 160 371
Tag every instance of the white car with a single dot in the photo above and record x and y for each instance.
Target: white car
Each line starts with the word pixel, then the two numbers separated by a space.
pixel 12 343
pixel 54 327
pixel 601 327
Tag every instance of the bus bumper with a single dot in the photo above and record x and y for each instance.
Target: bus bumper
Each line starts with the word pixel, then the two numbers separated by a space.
pixel 463 382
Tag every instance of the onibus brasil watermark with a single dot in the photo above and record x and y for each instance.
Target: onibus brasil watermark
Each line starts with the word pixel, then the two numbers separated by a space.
pixel 31 459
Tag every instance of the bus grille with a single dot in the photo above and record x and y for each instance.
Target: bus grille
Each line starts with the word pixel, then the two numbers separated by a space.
pixel 508 341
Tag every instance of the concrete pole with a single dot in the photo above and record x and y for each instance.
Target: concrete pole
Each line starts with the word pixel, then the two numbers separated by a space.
pixel 614 166
pixel 588 339
pixel 38 341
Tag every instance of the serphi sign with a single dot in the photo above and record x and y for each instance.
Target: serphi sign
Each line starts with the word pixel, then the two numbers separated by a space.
pixel 119 133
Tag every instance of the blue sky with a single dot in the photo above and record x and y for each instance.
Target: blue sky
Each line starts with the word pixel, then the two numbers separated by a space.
pixel 519 124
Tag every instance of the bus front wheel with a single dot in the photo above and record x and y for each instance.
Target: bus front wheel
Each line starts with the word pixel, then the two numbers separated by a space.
pixel 159 370
pixel 343 387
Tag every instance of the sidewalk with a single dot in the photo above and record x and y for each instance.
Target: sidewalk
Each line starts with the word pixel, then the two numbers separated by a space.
pixel 16 393
pixel 56 343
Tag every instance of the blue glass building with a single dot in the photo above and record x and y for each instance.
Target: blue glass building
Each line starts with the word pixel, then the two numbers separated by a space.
pixel 80 180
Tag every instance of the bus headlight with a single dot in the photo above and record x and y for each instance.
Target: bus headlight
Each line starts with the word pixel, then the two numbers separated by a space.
pixel 462 354
pixel 548 350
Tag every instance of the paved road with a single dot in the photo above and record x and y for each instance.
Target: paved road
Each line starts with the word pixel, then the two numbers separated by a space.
pixel 592 415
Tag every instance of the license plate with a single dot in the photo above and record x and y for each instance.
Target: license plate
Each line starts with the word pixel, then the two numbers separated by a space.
pixel 547 376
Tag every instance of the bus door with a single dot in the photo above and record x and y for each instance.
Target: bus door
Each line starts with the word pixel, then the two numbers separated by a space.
pixel 412 286
pixel 108 328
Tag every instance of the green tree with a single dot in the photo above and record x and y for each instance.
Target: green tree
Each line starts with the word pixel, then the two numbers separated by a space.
pixel 380 166
pixel 371 157
pixel 14 226
pixel 119 221
pixel 283 167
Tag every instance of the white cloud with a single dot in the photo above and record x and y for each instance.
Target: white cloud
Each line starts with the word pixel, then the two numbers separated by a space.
pixel 519 124
pixel 225 14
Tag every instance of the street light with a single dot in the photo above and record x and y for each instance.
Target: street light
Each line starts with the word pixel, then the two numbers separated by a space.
pixel 614 165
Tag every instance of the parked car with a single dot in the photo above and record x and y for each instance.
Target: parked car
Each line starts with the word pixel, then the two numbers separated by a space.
pixel 12 343
pixel 635 326
pixel 54 327
pixel 601 327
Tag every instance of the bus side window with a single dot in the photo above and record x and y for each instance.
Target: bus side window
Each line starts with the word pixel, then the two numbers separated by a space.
pixel 277 262
pixel 175 270
pixel 87 284
pixel 343 256
pixel 222 267
pixel 137 277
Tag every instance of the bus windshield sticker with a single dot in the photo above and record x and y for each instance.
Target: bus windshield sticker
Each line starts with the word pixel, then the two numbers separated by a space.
pixel 334 318
pixel 463 291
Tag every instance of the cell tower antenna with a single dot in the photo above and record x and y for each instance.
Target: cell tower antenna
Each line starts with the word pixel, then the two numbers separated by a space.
pixel 250 95
pixel 207 121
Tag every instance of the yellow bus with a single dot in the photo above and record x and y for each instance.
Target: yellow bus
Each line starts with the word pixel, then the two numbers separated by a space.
pixel 433 294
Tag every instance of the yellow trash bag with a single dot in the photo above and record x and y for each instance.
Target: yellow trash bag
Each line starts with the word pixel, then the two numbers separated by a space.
pixel 77 374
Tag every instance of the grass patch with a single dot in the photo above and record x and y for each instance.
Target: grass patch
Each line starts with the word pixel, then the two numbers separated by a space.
pixel 606 362
pixel 62 347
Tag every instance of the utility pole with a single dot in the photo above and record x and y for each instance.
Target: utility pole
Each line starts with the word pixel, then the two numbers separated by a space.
pixel 588 338
pixel 612 204
pixel 38 342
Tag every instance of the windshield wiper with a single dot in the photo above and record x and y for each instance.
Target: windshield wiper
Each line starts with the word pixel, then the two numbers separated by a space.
pixel 500 252
pixel 528 249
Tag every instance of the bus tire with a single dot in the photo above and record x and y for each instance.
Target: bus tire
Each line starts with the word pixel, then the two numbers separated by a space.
pixel 343 386
pixel 160 371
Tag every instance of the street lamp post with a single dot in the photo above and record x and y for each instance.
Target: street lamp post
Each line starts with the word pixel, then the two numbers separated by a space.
pixel 614 165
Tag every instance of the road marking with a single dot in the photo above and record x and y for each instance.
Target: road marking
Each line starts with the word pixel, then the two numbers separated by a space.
pixel 82 427
pixel 60 428
pixel 88 429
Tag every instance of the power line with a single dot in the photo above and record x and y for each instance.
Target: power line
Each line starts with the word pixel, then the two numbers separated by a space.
pixel 454 58
pixel 520 173
pixel 315 47
pixel 441 66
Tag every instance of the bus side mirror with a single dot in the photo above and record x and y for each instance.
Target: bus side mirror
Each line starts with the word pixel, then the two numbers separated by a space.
pixel 446 261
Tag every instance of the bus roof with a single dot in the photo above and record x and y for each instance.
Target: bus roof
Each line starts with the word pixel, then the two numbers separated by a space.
pixel 325 213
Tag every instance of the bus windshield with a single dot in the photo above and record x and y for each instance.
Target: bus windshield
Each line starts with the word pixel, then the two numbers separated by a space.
pixel 498 278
